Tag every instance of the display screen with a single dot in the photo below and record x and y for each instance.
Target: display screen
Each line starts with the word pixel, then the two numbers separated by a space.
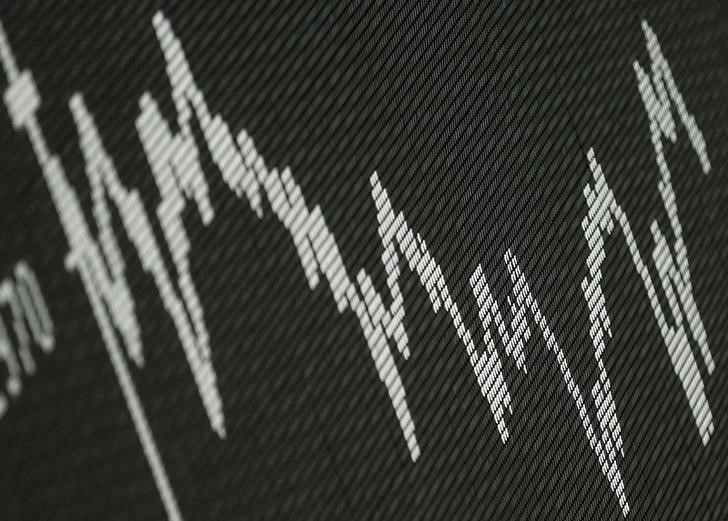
pixel 329 261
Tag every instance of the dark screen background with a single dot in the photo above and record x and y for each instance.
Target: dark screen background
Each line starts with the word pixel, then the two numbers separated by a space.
pixel 477 119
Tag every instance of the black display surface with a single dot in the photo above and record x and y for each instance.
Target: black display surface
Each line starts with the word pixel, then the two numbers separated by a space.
pixel 478 121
